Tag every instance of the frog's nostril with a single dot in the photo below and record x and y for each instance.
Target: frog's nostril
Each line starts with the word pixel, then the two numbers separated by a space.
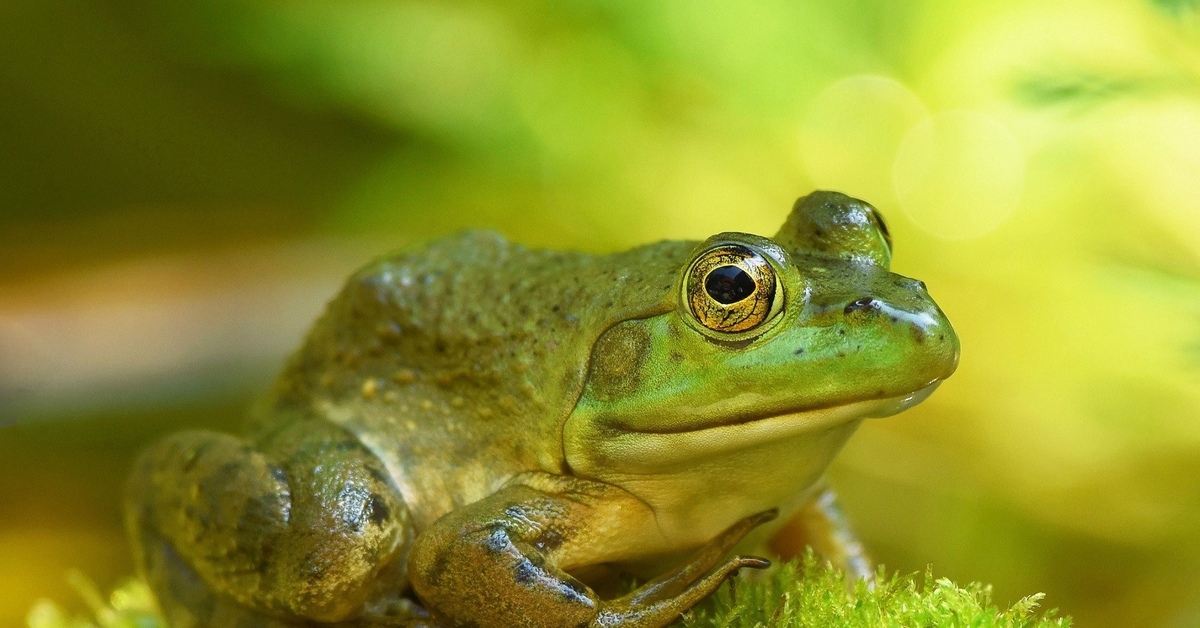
pixel 856 305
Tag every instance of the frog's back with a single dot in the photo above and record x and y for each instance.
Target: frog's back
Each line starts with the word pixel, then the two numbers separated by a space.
pixel 457 361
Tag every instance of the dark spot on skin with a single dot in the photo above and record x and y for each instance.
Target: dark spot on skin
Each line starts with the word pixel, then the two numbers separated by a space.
pixel 941 337
pixel 525 573
pixel 224 476
pixel 893 319
pixel 841 354
pixel 441 561
pixel 314 569
pixel 799 351
pixel 676 357
pixel 550 540
pixel 379 510
pixel 193 457
pixel 267 552
pixel 262 512
pixel 343 446
pixel 841 332
pixel 379 476
pixel 497 541
pixel 880 393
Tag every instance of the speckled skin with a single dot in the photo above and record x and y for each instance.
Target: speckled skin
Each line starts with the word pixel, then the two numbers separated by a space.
pixel 471 421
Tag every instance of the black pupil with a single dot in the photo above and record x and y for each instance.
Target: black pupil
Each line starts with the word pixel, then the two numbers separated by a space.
pixel 729 284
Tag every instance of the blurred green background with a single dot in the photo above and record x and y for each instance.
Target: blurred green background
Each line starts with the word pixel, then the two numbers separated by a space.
pixel 183 185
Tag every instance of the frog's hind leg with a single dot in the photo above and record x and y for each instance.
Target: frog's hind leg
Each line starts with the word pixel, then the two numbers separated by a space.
pixel 185 600
pixel 821 525
pixel 307 527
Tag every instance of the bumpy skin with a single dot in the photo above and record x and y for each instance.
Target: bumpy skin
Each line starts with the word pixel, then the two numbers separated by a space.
pixel 480 434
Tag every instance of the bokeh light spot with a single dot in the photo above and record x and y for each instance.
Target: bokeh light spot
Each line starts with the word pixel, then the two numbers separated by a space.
pixel 849 137
pixel 959 174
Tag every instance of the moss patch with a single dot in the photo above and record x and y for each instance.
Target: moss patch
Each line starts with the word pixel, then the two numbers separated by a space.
pixel 808 594
pixel 796 594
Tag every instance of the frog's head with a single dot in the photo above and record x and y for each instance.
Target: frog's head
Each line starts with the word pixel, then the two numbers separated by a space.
pixel 773 353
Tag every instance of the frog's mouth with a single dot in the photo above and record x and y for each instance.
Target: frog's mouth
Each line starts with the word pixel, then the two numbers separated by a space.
pixel 804 419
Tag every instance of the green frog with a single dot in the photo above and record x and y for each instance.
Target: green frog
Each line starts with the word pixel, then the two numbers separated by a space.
pixel 476 433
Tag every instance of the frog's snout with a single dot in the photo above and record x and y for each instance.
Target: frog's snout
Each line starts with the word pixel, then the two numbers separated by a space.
pixel 911 321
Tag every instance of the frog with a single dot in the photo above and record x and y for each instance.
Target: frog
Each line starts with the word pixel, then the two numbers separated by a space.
pixel 479 433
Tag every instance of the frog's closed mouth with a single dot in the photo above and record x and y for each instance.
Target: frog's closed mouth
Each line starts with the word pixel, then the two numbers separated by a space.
pixel 808 418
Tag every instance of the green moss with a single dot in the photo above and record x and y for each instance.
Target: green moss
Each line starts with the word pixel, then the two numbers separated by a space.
pixel 796 594
pixel 810 594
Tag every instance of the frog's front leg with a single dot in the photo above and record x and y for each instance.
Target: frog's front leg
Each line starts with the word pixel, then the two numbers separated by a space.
pixel 503 561
pixel 304 525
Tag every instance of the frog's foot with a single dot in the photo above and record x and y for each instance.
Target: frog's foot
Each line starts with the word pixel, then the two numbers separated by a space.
pixel 306 528
pixel 665 598
pixel 495 563
pixel 673 583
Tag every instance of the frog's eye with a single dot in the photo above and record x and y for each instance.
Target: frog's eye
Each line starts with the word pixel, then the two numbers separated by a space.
pixel 731 288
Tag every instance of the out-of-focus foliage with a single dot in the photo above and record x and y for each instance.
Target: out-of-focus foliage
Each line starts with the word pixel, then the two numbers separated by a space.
pixel 131 605
pixel 182 183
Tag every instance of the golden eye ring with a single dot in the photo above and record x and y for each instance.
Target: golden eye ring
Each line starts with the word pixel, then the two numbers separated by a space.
pixel 731 288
